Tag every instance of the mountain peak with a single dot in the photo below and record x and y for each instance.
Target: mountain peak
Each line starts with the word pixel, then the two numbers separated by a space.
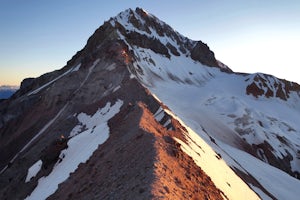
pixel 143 112
pixel 140 28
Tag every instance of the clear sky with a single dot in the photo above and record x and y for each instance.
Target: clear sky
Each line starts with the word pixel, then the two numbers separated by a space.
pixel 38 36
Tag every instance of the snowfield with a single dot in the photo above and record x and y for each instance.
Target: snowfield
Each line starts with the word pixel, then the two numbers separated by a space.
pixel 215 167
pixel 229 117
pixel 80 148
pixel 278 183
pixel 33 170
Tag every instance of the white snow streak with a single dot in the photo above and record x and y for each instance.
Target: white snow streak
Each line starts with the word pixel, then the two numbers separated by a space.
pixel 116 88
pixel 80 149
pixel 89 73
pixel 76 68
pixel 73 69
pixel 33 170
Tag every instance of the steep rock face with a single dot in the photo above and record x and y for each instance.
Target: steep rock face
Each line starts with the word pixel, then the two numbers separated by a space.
pixel 145 30
pixel 202 53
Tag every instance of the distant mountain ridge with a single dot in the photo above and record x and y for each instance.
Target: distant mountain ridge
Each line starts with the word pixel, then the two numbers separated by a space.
pixel 7 91
pixel 142 112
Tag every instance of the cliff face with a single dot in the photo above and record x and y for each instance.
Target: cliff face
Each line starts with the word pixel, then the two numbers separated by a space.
pixel 142 112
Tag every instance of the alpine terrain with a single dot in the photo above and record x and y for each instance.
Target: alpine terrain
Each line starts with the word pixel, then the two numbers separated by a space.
pixel 142 112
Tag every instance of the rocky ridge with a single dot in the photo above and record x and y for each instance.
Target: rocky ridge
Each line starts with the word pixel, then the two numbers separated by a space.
pixel 127 60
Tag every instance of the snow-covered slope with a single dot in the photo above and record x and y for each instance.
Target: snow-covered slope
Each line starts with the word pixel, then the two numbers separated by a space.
pixel 268 125
pixel 225 108
pixel 239 127
pixel 147 113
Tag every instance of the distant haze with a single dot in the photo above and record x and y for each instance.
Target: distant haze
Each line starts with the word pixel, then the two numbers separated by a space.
pixel 7 91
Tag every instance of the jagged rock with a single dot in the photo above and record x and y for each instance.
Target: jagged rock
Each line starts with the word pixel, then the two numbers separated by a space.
pixel 269 86
pixel 254 90
pixel 26 83
pixel 50 155
pixel 148 43
pixel 203 54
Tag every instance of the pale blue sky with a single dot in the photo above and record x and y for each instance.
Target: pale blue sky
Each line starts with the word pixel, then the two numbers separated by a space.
pixel 38 36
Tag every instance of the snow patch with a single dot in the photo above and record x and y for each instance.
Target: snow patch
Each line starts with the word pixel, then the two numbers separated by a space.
pixel 116 88
pixel 101 116
pixel 73 69
pixel 76 68
pixel 33 170
pixel 132 76
pixel 80 148
pixel 159 114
